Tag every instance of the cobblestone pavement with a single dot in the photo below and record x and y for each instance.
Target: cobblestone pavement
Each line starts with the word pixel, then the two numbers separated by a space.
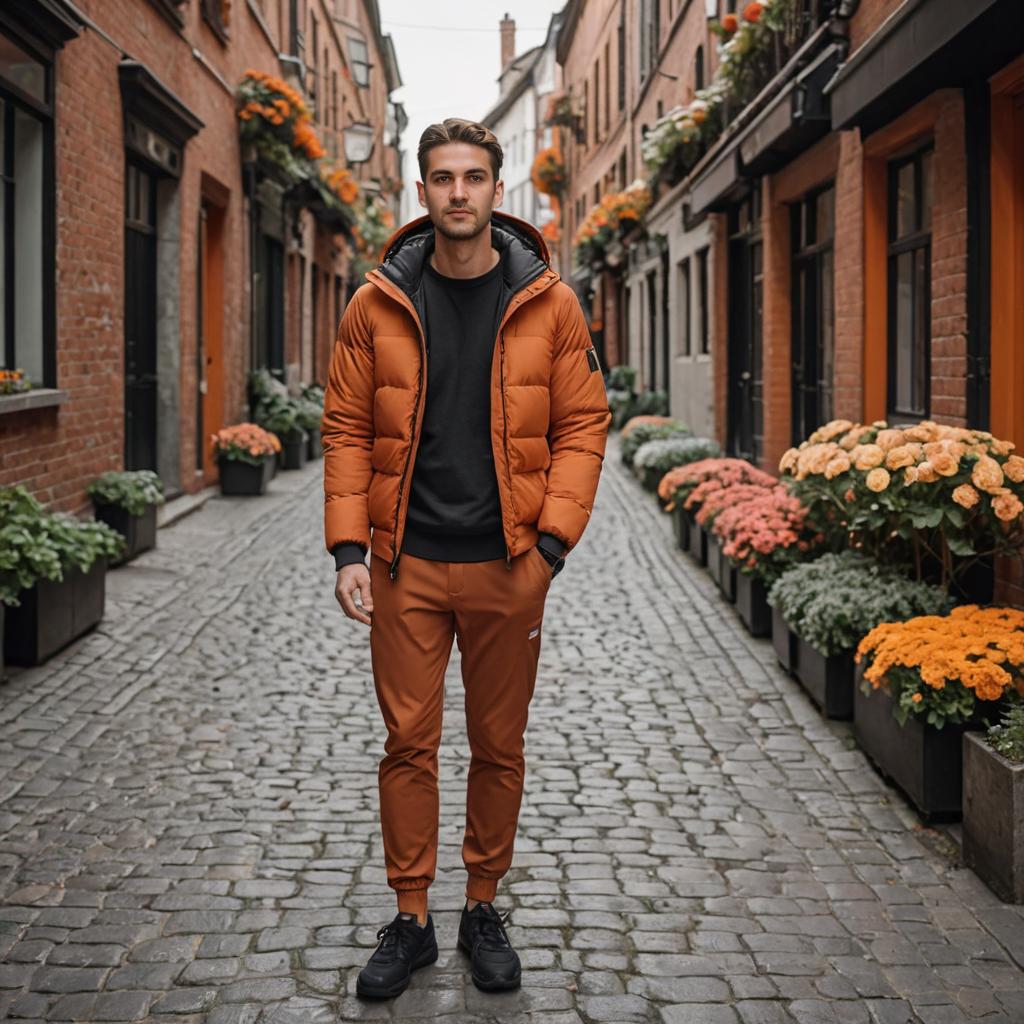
pixel 188 826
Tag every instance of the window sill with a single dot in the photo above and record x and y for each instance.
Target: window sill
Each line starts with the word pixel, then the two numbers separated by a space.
pixel 37 398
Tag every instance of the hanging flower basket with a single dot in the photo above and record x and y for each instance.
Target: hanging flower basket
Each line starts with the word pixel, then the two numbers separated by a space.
pixel 548 172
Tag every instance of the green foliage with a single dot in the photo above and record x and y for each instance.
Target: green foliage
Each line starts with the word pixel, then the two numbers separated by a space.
pixel 836 600
pixel 644 432
pixel 37 544
pixel 133 490
pixel 666 453
pixel 650 403
pixel 1007 738
pixel 621 378
pixel 274 409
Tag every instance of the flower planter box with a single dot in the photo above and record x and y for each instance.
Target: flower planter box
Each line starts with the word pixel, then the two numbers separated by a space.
pixel 993 813
pixel 651 478
pixel 784 641
pixel 828 680
pixel 722 571
pixel 53 614
pixel 698 544
pixel 3 675
pixel 237 477
pixel 293 451
pixel 314 446
pixel 752 604
pixel 138 531
pixel 924 762
pixel 681 526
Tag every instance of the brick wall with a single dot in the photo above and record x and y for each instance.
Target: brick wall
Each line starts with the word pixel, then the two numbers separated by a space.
pixel 848 393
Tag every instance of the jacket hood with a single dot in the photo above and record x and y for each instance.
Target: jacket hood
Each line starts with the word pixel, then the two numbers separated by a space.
pixel 524 253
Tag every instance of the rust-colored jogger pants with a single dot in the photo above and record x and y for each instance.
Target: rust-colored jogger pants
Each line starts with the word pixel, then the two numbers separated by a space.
pixel 495 614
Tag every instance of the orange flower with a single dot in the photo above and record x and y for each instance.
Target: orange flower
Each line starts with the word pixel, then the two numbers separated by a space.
pixel 917 698
pixel 966 496
pixel 987 474
pixel 878 479
pixel 945 464
pixel 730 23
pixel 1014 469
pixel 902 456
pixel 1007 507
pixel 926 473
pixel 752 12
pixel 867 456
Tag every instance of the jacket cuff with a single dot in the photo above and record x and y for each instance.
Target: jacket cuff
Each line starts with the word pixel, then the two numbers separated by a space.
pixel 551 543
pixel 347 554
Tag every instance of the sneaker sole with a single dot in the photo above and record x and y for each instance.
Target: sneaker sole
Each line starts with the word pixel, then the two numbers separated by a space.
pixel 427 957
pixel 489 986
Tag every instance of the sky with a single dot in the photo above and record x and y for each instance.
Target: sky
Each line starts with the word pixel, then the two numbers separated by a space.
pixel 449 57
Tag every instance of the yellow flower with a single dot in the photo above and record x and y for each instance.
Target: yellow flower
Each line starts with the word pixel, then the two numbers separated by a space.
pixel 889 439
pixel 910 475
pixel 837 466
pixel 926 473
pixel 1007 507
pixel 867 456
pixel 966 496
pixel 788 460
pixel 904 455
pixel 1014 468
pixel 878 479
pixel 987 474
pixel 1002 447
pixel 945 464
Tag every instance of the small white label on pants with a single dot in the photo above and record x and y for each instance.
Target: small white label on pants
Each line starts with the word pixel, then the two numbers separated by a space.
pixel 533 633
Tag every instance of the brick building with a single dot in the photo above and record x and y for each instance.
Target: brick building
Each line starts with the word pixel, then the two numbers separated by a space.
pixel 149 262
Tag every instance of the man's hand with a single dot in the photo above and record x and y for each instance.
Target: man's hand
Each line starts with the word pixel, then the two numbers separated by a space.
pixel 355 579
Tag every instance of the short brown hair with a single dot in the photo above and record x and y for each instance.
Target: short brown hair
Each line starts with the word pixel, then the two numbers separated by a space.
pixel 457 129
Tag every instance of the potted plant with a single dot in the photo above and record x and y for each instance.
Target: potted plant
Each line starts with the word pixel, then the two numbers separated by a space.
pixel 127 500
pixel 648 427
pixel 311 413
pixel 941 501
pixel 52 576
pixel 830 604
pixel 993 805
pixel 761 538
pixel 655 458
pixel 245 455
pixel 926 681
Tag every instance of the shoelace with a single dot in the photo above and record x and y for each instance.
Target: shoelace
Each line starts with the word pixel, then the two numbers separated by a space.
pixel 492 925
pixel 391 935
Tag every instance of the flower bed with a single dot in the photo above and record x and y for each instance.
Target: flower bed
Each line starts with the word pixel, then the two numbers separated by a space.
pixel 639 430
pixel 655 458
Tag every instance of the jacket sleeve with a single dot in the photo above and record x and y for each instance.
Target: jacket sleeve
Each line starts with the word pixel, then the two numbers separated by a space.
pixel 347 432
pixel 578 427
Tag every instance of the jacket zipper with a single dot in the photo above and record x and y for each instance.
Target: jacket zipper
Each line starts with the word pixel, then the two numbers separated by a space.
pixel 504 432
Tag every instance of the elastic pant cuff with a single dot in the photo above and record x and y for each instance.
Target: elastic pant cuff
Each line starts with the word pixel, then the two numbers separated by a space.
pixel 483 890
pixel 412 901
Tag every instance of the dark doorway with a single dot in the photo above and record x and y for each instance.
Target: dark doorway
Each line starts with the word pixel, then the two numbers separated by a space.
pixel 812 228
pixel 140 364
pixel 652 330
pixel 666 356
pixel 269 323
pixel 746 293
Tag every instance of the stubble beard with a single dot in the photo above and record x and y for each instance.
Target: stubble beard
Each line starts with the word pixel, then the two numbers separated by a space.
pixel 460 233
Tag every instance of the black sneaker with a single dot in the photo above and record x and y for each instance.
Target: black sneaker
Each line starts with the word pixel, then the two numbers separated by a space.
pixel 404 946
pixel 482 936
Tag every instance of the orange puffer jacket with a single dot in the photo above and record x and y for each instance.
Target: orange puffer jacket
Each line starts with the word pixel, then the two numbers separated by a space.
pixel 549 409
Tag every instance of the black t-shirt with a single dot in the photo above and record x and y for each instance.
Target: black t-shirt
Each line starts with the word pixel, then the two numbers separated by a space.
pixel 454 508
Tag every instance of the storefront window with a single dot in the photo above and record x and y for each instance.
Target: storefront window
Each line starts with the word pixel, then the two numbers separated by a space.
pixel 910 192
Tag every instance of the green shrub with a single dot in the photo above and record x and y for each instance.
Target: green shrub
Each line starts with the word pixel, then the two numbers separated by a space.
pixel 644 432
pixel 621 378
pixel 1007 738
pixel 834 601
pixel 134 490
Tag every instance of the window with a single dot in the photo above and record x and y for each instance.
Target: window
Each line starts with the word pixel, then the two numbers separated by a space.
pixel 586 113
pixel 910 218
pixel 685 333
pixel 359 57
pixel 812 228
pixel 698 69
pixel 622 56
pixel 27 326
pixel 216 14
pixel 597 100
pixel 703 299
pixel 607 88
pixel 650 18
pixel 314 71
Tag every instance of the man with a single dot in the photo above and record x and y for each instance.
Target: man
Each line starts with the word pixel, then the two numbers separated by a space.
pixel 464 430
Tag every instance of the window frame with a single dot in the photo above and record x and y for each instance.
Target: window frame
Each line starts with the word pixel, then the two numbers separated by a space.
pixel 358 63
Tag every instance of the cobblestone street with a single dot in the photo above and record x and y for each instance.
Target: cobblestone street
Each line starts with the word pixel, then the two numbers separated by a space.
pixel 188 826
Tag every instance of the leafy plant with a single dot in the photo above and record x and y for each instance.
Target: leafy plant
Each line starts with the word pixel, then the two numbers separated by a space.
pixel 666 453
pixel 13 382
pixel 1007 738
pixel 640 433
pixel 621 378
pixel 39 544
pixel 940 666
pixel 836 600
pixel 650 403
pixel 134 490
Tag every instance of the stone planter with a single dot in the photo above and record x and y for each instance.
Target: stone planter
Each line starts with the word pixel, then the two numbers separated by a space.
pixel 722 571
pixel 681 526
pixel 54 613
pixel 293 450
pixel 314 446
pixel 237 477
pixel 993 812
pixel 752 604
pixel 3 675
pixel 828 680
pixel 650 479
pixel 784 641
pixel 138 531
pixel 698 544
pixel 924 762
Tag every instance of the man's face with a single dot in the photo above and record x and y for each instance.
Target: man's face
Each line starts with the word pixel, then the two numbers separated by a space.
pixel 460 191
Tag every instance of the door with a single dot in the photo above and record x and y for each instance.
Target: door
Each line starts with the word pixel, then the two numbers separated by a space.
pixel 140 366
pixel 210 349
pixel 269 287
pixel 746 288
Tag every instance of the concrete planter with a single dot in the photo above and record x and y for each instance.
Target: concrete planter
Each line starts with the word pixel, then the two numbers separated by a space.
pixel 698 544
pixel 784 641
pixel 293 449
pixel 721 569
pixel 925 762
pixel 237 477
pixel 3 675
pixel 752 604
pixel 681 526
pixel 828 680
pixel 993 810
pixel 314 446
pixel 138 531
pixel 52 614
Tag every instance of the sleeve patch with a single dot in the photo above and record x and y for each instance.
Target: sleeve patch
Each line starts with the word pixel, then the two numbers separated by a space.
pixel 595 366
